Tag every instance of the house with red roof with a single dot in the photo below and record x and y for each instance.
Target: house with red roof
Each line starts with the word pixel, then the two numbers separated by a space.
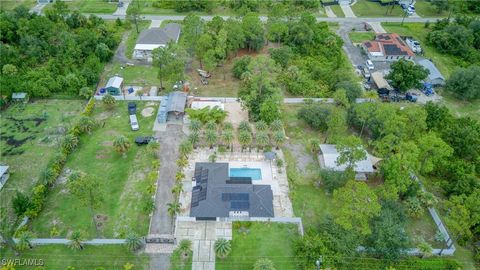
pixel 388 47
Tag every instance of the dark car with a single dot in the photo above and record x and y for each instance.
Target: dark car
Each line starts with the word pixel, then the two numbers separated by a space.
pixel 144 140
pixel 132 108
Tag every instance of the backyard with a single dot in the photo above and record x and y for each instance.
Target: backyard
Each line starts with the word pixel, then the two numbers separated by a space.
pixel 254 240
pixel 108 257
pixel 29 137
pixel 425 9
pixel 366 8
pixel 122 180
pixel 139 75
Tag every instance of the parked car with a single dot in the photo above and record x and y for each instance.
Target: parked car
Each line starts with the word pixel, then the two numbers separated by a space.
pixel 120 4
pixel 404 6
pixel 134 122
pixel 132 108
pixel 369 64
pixel 366 73
pixel 144 140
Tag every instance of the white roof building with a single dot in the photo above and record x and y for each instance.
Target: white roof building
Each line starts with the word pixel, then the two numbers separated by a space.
pixel 328 159
pixel 200 104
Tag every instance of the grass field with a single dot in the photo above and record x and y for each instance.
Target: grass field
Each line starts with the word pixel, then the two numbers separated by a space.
pixel 11 4
pixel 337 10
pixel 366 8
pixel 133 36
pixel 122 180
pixel 90 6
pixel 61 256
pixel 132 75
pixel 358 37
pixel 30 135
pixel 260 240
pixel 425 9
pixel 461 108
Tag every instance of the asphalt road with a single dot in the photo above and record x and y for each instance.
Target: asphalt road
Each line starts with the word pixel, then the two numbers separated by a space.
pixel 264 18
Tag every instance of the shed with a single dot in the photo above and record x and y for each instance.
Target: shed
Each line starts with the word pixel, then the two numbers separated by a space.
pixel 20 97
pixel 380 81
pixel 114 85
pixel 4 174
pixel 176 102
pixel 434 77
pixel 328 159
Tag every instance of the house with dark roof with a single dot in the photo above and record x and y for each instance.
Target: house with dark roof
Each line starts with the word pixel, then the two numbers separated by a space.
pixel 388 47
pixel 153 38
pixel 217 195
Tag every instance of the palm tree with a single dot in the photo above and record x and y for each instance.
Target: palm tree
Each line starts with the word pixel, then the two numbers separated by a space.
pixel 177 189
pixel 109 101
pixel 185 148
pixel 179 176
pixel 195 125
pixel 173 210
pixel 245 138
pixel 222 248
pixel 262 139
pixel 25 240
pixel 121 145
pixel 278 138
pixel 133 241
pixel 69 142
pixel 76 240
pixel 211 125
pixel 182 162
pixel 153 147
pixel 185 247
pixel 261 125
pixel 244 126
pixel 211 137
pixel 194 138
pixel 314 145
pixel 86 124
pixel 227 126
pixel 227 137
pixel 263 264
pixel 426 249
pixel 276 125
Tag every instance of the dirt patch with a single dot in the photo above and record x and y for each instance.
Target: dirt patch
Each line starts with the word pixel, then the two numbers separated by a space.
pixel 147 112
pixel 302 158
pixel 107 143
pixel 103 115
pixel 235 113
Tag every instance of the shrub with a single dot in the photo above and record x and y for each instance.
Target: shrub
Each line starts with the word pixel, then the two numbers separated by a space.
pixel 21 203
pixel 109 101
pixel 315 116
pixel 240 66
pixel 332 179
pixel 414 207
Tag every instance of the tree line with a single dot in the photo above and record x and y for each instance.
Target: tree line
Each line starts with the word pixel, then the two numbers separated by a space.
pixel 60 53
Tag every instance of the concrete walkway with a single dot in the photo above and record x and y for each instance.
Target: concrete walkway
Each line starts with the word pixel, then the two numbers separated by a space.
pixel 122 11
pixel 377 27
pixel 347 10
pixel 155 23
pixel 38 8
pixel 329 12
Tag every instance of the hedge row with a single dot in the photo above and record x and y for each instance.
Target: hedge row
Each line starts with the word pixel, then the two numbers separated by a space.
pixel 55 165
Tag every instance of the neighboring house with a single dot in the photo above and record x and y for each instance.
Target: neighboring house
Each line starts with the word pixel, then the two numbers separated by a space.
pixel 153 38
pixel 216 195
pixel 4 174
pixel 388 47
pixel 173 105
pixel 434 77
pixel 328 159
pixel 114 86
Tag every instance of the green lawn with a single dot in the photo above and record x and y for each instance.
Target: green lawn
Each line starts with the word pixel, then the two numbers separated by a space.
pixel 91 6
pixel 123 180
pixel 11 4
pixel 132 75
pixel 60 257
pixel 260 240
pixel 178 262
pixel 366 8
pixel 423 229
pixel 337 10
pixel 30 135
pixel 425 9
pixel 461 108
pixel 147 7
pixel 133 36
pixel 359 37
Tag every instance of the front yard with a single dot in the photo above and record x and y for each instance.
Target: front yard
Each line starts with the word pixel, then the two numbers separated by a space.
pixel 371 9
pixel 123 180
pixel 254 240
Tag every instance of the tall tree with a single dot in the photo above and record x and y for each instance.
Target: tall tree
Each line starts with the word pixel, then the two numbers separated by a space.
pixel 171 61
pixel 351 151
pixel 406 75
pixel 253 30
pixel 192 29
pixel 356 204
pixel 433 150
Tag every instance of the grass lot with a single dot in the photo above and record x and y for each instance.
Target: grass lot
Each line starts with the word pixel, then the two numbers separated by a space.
pixel 11 4
pixel 90 6
pixel 61 257
pixel 461 108
pixel 133 36
pixel 425 9
pixel 337 10
pixel 423 229
pixel 136 75
pixel 30 134
pixel 123 180
pixel 359 37
pixel 445 63
pixel 178 263
pixel 260 240
pixel 366 8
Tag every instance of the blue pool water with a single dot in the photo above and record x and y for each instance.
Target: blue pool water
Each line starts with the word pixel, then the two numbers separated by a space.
pixel 254 173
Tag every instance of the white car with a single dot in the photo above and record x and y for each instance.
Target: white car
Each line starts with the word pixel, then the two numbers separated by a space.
pixel 134 122
pixel 369 64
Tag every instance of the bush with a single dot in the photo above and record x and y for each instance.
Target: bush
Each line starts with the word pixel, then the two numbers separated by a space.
pixel 414 207
pixel 332 179
pixel 465 83
pixel 21 203
pixel 240 66
pixel 315 115
pixel 89 107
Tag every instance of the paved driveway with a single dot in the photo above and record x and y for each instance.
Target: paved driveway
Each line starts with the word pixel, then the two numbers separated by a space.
pixel 354 53
pixel 122 11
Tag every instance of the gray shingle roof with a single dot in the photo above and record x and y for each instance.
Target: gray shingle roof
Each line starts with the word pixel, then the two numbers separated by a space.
pixel 176 101
pixel 160 36
pixel 430 66
pixel 215 198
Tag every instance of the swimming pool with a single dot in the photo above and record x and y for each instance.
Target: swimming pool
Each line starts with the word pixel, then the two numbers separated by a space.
pixel 254 173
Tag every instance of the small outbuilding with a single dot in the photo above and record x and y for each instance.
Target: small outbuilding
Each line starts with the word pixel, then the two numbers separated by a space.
pixel 434 77
pixel 4 174
pixel 172 105
pixel 114 86
pixel 20 97
pixel 328 159
pixel 380 81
